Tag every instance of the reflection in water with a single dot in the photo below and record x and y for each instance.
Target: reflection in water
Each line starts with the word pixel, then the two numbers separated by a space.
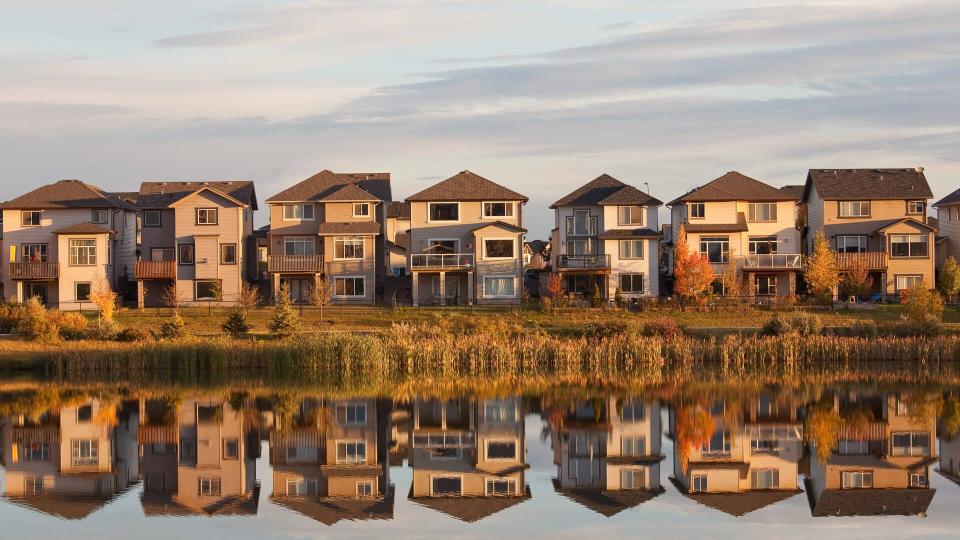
pixel 854 451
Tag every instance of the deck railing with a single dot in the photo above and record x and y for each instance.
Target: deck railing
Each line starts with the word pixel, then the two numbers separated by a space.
pixel 295 263
pixel 156 270
pixel 784 261
pixel 873 260
pixel 441 260
pixel 584 262
pixel 34 270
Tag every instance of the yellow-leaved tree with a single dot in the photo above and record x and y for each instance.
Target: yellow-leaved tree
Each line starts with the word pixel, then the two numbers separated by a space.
pixel 821 273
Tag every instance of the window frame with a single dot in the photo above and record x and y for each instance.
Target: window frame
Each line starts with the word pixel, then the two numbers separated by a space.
pixel 340 245
pixel 162 250
pixel 343 279
pixel 26 251
pixel 214 486
pixel 24 223
pixel 368 488
pixel 365 205
pixel 146 223
pixel 346 459
pixel 303 207
pixel 913 277
pixel 845 237
pixel 774 477
pixel 630 207
pixel 206 212
pixel 923 207
pixel 592 223
pixel 513 250
pixel 752 212
pixel 92 457
pixel 861 474
pixel 484 214
pixel 633 276
pixel 511 484
pixel 230 456
pixel 699 483
pixel 514 442
pixel 309 487
pixel 89 250
pixel 346 413
pixel 860 203
pixel 434 477
pixel 634 242
pixel 511 277
pixel 223 258
pixel 299 240
pixel 722 240
pixel 196 289
pixel 106 214
pixel 910 246
pixel 690 210
pixel 753 242
pixel 76 291
pixel 771 284
pixel 181 260
pixel 430 206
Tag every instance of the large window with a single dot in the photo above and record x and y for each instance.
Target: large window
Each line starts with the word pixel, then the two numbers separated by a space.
pixel 298 212
pixel 83 252
pixel 348 248
pixel 497 209
pixel 765 479
pixel 851 209
pixel 81 291
pixel 856 479
pixel 501 486
pixel 908 245
pixel 631 283
pixel 35 452
pixel 185 254
pixel 631 249
pixel 30 218
pixel 716 248
pixel 581 223
pixel 361 209
pixel 208 289
pixel 208 486
pixel 698 210
pixel 100 216
pixel 351 452
pixel 84 452
pixel 206 216
pixel 719 444
pixel 498 248
pixel 852 243
pixel 763 211
pixel 632 479
pixel 304 487
pixel 446 485
pixel 907 282
pixel 151 218
pixel 633 445
pixel 502 450
pixel 630 215
pixel 762 245
pixel 915 443
pixel 228 254
pixel 34 252
pixel 444 211
pixel 299 246
pixel 499 287
pixel 348 286
pixel 766 286
pixel 352 414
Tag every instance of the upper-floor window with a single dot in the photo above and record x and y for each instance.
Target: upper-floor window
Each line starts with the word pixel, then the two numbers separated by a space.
pixel 631 249
pixel 151 218
pixel 443 246
pixel 352 414
pixel 856 243
pixel 630 215
pixel 302 245
pixel 206 216
pixel 916 207
pixel 185 254
pixel 581 223
pixel 698 210
pixel 228 254
pixel 908 245
pixel 30 218
pixel 100 216
pixel 348 248
pixel 298 212
pixel 915 443
pixel 497 209
pixel 34 252
pixel 849 209
pixel 762 245
pixel 351 452
pixel 719 443
pixel 716 248
pixel 83 252
pixel 443 211
pixel 763 211
pixel 856 479
pixel 361 209
pixel 84 452
pixel 498 248
pixel 162 254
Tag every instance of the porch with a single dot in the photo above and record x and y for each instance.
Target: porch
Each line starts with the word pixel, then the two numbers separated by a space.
pixel 153 277
pixel 443 287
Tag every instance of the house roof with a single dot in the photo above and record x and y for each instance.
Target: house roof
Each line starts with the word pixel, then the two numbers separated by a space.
pixel 469 509
pixel 735 186
pixel 467 186
pixel 876 184
pixel 606 190
pixel 499 223
pixel 952 198
pixel 66 194
pixel 737 504
pixel 164 194
pixel 615 234
pixel 63 506
pixel 398 210
pixel 910 220
pixel 871 502
pixel 360 227
pixel 538 246
pixel 739 226
pixel 326 182
pixel 607 502
pixel 83 228
pixel 349 192
pixel 795 191
pixel 330 510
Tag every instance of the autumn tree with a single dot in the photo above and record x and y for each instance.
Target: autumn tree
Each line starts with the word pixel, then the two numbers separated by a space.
pixel 821 273
pixel 694 427
pixel 322 293
pixel 923 305
pixel 103 295
pixel 822 429
pixel 692 272
pixel 732 281
pixel 856 279
pixel 950 277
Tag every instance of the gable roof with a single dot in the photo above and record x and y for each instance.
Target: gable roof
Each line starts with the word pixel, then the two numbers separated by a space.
pixel 350 192
pixel 737 504
pixel 739 226
pixel 795 191
pixel 165 194
pixel 734 186
pixel 374 186
pixel 876 184
pixel 606 190
pixel 538 246
pixel 910 220
pixel 330 510
pixel 467 186
pixel 499 223
pixel 871 502
pixel 607 502
pixel 67 194
pixel 952 198
pixel 469 509
pixel 83 228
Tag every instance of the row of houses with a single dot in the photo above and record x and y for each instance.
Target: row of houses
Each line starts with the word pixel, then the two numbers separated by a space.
pixel 331 460
pixel 460 241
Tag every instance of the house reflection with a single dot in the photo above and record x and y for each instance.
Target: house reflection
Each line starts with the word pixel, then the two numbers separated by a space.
pixel 607 452
pixel 330 459
pixel 468 456
pixel 70 461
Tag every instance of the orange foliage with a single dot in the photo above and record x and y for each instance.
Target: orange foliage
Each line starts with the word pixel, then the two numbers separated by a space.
pixel 692 271
pixel 694 427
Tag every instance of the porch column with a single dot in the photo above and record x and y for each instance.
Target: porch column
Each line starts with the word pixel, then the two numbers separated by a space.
pixel 443 288
pixel 276 287
pixel 415 288
pixel 471 289
pixel 140 294
pixel 19 292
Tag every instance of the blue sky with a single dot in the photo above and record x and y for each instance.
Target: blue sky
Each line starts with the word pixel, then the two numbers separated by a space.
pixel 541 96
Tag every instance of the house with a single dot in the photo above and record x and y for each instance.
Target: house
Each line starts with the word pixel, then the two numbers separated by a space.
pixel 63 238
pixel 329 226
pixel 947 223
pixel 196 237
pixel 466 234
pixel 876 218
pixel 396 282
pixel 739 219
pixel 536 254
pixel 606 237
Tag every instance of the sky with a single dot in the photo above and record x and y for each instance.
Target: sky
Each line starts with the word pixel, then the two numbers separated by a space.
pixel 541 96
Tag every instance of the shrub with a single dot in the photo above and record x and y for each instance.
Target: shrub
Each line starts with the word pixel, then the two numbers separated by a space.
pixel 131 334
pixel 285 320
pixel 666 327
pixel 798 322
pixel 606 329
pixel 72 326
pixel 106 330
pixel 36 323
pixel 618 298
pixel 596 299
pixel 173 328
pixel 911 328
pixel 9 318
pixel 105 298
pixel 236 324
pixel 923 305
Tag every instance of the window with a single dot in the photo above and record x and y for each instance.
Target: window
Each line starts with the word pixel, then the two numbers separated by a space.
pixel 352 414
pixel 498 248
pixel 915 443
pixel 856 479
pixel 83 252
pixel 499 411
pixel 99 216
pixel 30 218
pixel 581 223
pixel 446 485
pixel 632 479
pixel 850 209
pixel 34 252
pixel 907 282
pixel 35 452
pixel 185 254
pixel 697 210
pixel 716 248
pixel 631 283
pixel 231 449
pixel 206 216
pixel 581 247
pixel 84 414
pixel 348 248
pixel 299 246
pixel 908 245
pixel 852 244
pixel 228 254
pixel 765 479
pixel 762 245
pixel 632 411
pixel 33 485
pixel 84 452
pixel 151 218
pixel 762 212
pixel 351 452
pixel 501 450
pixel 161 254
pixel 188 450
pixel 631 249
pixel 918 480
pixel 304 487
pixel 499 287
pixel 497 209
pixel 348 286
pixel 634 445
pixel 443 246
pixel 298 212
pixel 365 489
pixel 718 444
pixel 209 486
pixel 501 486
pixel 766 286
pixel 208 289
pixel 81 291
pixel 916 207
pixel 699 483
pixel 444 211
pixel 361 209
pixel 853 448
pixel 630 215
pixel 717 287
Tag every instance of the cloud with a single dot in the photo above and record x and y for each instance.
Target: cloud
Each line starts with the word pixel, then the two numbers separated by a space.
pixel 235 37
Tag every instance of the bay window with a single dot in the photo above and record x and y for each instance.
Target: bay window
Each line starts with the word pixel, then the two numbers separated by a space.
pixel 83 252
pixel 908 245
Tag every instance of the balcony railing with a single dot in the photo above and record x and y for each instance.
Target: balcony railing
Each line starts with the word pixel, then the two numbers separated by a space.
pixel 874 260
pixel 156 270
pixel 295 263
pixel 786 261
pixel 583 262
pixel 441 260
pixel 34 270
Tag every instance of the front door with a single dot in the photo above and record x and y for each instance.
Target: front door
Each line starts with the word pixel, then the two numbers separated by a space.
pixel 35 289
pixel 766 286
pixel 299 289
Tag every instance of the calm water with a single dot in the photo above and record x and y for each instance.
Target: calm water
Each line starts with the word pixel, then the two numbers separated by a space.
pixel 705 461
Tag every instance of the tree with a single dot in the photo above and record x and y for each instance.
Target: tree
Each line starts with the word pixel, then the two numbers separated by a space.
pixel 105 298
pixel 923 305
pixel 821 273
pixel 322 294
pixel 857 280
pixel 170 298
pixel 822 429
pixel 692 272
pixel 732 281
pixel 950 277
pixel 285 320
pixel 236 324
pixel 596 299
pixel 248 297
pixel 554 285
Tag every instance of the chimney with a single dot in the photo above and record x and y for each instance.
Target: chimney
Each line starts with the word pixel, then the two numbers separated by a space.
pixel 918 169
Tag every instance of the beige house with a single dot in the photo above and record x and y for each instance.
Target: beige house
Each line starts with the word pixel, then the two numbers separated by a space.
pixel 874 217
pixel 466 235
pixel 738 218
pixel 607 236
pixel 396 282
pixel 329 226
pixel 61 239
pixel 947 223
pixel 196 236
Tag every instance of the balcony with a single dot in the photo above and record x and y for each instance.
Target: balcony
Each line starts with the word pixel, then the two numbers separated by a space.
pixel 773 261
pixel 296 263
pixel 156 270
pixel 438 261
pixel 583 262
pixel 35 270
pixel 874 260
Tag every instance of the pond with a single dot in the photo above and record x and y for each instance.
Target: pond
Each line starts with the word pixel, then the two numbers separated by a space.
pixel 250 460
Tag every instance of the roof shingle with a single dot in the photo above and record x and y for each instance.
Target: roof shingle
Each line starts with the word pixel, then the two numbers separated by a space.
pixel 606 190
pixel 163 194
pixel 66 194
pixel 739 226
pixel 467 186
pixel 734 186
pixel 360 227
pixel 876 184
pixel 83 228
pixel 326 182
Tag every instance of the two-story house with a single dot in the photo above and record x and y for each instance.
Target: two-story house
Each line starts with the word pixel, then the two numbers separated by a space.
pixel 739 218
pixel 947 223
pixel 63 238
pixel 606 237
pixel 466 234
pixel 876 218
pixel 329 226
pixel 196 236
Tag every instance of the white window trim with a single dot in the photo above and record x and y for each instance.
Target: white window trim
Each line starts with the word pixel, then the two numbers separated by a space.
pixel 159 215
pixel 690 210
pixel 896 280
pixel 39 218
pixel 336 448
pixel 363 247
pixel 207 209
pixel 860 203
pixel 283 212
pixel 643 215
pixel 500 276
pixel 371 483
pixel 299 240
pixel 483 241
pixel 459 212
pixel 353 209
pixel 434 476
pixel 346 406
pixel 643 249
pixel 106 212
pixel 364 278
pixel 306 486
pixel 70 251
pixel 516 449
pixel 483 207
pixel 486 485
pixel 773 205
